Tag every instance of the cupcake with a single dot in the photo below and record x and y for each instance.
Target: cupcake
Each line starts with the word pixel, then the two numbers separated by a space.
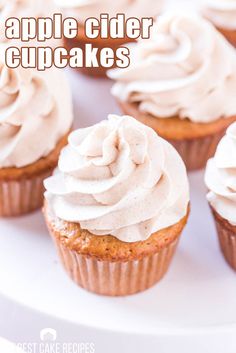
pixel 182 83
pixel 83 9
pixel 222 13
pixel 36 117
pixel 220 179
pixel 116 206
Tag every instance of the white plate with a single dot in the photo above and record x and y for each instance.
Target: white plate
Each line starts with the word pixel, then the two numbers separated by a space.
pixel 8 347
pixel 196 301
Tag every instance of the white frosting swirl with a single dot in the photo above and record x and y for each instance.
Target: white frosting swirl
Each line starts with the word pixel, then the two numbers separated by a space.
pixel 35 112
pixel 82 9
pixel 221 12
pixel 186 68
pixel 119 178
pixel 220 177
pixel 23 8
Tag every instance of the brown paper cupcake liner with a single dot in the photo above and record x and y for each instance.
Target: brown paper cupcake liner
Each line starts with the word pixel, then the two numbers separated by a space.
pixel 108 266
pixel 196 152
pixel 22 196
pixel 227 239
pixel 115 278
pixel 22 189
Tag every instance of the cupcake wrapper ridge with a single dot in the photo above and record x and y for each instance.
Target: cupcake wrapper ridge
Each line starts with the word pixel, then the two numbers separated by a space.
pixel 22 189
pixel 22 196
pixel 227 239
pixel 196 152
pixel 115 278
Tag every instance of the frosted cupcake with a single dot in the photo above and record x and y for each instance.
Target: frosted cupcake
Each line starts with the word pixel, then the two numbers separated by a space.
pixel 222 13
pixel 117 206
pixel 83 9
pixel 182 83
pixel 36 116
pixel 220 179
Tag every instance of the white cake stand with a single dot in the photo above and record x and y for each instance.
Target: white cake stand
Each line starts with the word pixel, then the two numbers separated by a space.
pixel 193 309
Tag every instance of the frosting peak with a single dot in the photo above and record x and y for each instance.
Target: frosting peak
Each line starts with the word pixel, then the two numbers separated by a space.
pixel 220 177
pixel 185 69
pixel 118 177
pixel 34 114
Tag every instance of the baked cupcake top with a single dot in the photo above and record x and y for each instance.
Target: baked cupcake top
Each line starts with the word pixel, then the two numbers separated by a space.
pixel 186 69
pixel 35 112
pixel 221 12
pixel 23 8
pixel 82 9
pixel 220 177
pixel 119 178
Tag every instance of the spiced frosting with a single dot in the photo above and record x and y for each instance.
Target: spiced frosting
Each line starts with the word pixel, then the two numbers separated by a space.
pixel 220 177
pixel 119 178
pixel 35 112
pixel 186 69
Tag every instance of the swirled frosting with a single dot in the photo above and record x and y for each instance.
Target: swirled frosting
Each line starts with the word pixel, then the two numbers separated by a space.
pixel 119 178
pixel 35 112
pixel 185 69
pixel 220 177
pixel 82 9
pixel 221 12
pixel 23 8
